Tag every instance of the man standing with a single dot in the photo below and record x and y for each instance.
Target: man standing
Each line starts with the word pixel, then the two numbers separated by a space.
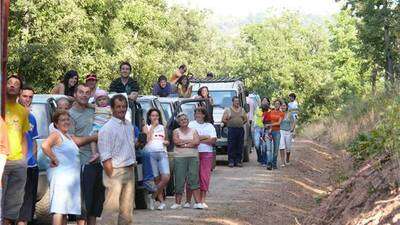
pixel 14 177
pixel 125 84
pixel 92 187
pixel 4 150
pixel 234 118
pixel 117 152
pixel 28 207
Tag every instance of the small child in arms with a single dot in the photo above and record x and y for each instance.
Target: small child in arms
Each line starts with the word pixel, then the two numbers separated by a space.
pixel 101 116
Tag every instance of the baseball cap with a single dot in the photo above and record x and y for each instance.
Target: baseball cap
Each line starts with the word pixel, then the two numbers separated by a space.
pixel 91 76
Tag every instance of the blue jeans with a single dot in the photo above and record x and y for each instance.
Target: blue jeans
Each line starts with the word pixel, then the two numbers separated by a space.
pixel 144 158
pixel 276 138
pixel 235 144
pixel 266 151
pixel 257 142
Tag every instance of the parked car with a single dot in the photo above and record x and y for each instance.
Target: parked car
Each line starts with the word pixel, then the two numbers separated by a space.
pixel 43 107
pixel 222 90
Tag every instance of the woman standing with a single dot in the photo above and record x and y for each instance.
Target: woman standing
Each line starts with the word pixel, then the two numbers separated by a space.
pixel 184 87
pixel 273 119
pixel 208 137
pixel 65 169
pixel 67 87
pixel 186 161
pixel 288 125
pixel 157 142
pixel 259 127
pixel 234 118
pixel 203 93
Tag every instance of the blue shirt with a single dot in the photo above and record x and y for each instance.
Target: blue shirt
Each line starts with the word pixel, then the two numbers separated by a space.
pixel 31 135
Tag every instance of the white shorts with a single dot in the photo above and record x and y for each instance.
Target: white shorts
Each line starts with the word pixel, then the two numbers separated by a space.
pixel 286 140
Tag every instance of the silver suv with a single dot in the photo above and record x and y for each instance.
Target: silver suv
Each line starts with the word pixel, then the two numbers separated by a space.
pixel 222 90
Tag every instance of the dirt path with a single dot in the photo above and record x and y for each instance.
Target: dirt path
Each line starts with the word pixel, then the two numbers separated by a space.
pixel 254 195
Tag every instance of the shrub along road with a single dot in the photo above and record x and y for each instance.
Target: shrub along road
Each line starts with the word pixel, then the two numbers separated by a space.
pixel 253 195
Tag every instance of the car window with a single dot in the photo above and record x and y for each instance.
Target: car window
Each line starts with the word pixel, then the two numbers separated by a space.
pixel 188 109
pixel 222 98
pixel 166 106
pixel 39 110
pixel 146 106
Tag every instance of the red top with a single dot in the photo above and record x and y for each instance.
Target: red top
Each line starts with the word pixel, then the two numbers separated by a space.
pixel 273 116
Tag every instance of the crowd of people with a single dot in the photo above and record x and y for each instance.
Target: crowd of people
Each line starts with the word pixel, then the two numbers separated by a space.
pixel 91 172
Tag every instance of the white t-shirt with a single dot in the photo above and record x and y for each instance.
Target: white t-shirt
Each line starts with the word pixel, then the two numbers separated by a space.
pixel 293 105
pixel 204 129
pixel 156 144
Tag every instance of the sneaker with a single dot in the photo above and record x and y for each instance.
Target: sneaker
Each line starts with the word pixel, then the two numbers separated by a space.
pixel 162 206
pixel 264 165
pixel 239 165
pixel 269 167
pixel 198 206
pixel 230 165
pixel 186 205
pixel 176 206
pixel 283 165
pixel 150 202
pixel 205 205
pixel 287 163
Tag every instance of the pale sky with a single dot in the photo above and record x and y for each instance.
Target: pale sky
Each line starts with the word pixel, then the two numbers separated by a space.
pixel 244 8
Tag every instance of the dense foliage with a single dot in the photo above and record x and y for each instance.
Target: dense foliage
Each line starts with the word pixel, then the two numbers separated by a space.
pixel 325 63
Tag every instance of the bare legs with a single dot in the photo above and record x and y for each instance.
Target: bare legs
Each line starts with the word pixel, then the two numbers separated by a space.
pixel 91 220
pixel 161 183
pixel 196 195
pixel 283 156
pixel 59 219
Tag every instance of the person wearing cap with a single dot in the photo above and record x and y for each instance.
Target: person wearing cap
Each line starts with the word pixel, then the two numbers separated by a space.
pixel 91 82
pixel 102 114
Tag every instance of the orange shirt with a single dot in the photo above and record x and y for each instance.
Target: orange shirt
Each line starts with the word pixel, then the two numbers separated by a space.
pixel 273 116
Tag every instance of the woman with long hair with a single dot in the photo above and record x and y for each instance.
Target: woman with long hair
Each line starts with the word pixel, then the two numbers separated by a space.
pixel 157 142
pixel 259 129
pixel 288 125
pixel 68 84
pixel 184 87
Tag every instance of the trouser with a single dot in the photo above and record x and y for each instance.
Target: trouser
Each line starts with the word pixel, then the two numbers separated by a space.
pixel 28 207
pixel 276 138
pixel 286 140
pixel 3 160
pixel 144 158
pixel 120 197
pixel 206 163
pixel 14 179
pixel 235 144
pixel 186 169
pixel 266 147
pixel 257 142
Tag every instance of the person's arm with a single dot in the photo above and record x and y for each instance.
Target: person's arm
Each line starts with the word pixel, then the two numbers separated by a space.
pixel 80 141
pixel 293 123
pixel 48 144
pixel 175 137
pixel 189 91
pixel 225 117
pixel 166 140
pixel 155 89
pixel 148 132
pixel 244 116
pixel 59 89
pixel 105 144
pixel 194 142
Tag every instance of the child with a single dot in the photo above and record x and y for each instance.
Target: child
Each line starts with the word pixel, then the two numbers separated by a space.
pixel 101 116
pixel 293 106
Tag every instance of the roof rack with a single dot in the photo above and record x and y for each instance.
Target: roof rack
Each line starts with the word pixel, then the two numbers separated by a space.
pixel 215 80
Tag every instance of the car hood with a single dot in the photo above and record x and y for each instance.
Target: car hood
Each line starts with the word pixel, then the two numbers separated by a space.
pixel 218 112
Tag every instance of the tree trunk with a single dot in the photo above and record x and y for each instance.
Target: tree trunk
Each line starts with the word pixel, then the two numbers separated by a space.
pixel 388 50
pixel 374 75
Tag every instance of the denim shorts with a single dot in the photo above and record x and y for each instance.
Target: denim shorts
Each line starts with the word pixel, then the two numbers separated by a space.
pixel 159 163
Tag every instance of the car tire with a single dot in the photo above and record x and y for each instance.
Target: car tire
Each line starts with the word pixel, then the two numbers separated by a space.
pixel 42 212
pixel 246 154
pixel 140 198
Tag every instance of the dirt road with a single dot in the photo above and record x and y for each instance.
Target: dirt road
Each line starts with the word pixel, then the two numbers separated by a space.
pixel 254 195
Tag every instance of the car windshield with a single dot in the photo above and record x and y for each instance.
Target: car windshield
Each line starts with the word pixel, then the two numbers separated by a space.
pixel 166 106
pixel 188 109
pixel 222 98
pixel 146 106
pixel 39 110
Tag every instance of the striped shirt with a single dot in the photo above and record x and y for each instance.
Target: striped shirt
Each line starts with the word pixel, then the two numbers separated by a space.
pixel 116 142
